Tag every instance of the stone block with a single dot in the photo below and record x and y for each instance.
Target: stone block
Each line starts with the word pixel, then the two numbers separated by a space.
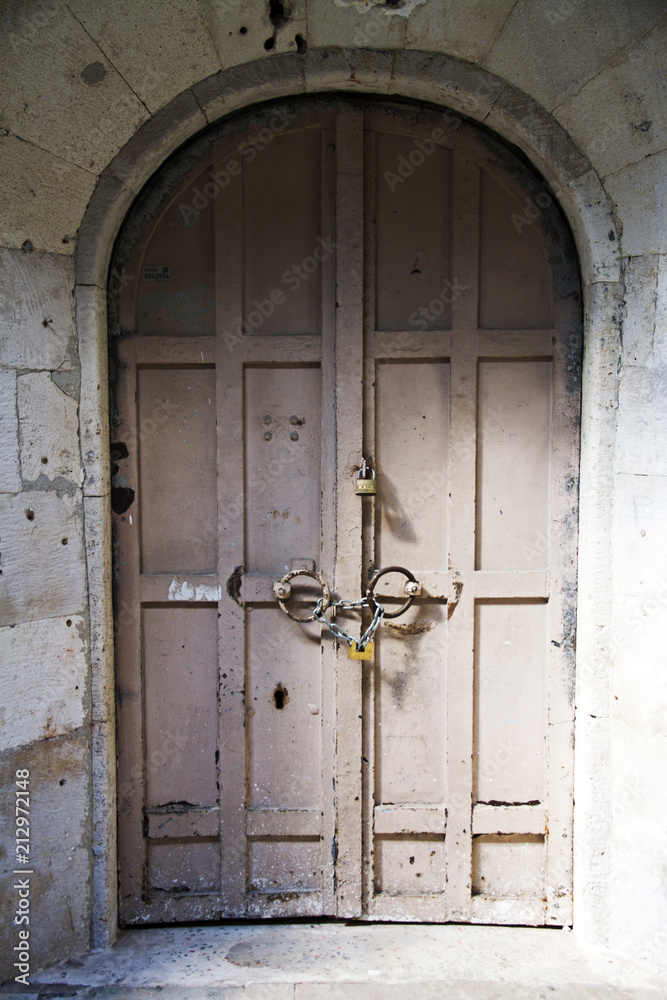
pixel 60 856
pixel 105 212
pixel 243 31
pixel 598 431
pixel 466 31
pixel 639 808
pixel 595 229
pixel 249 84
pixel 353 25
pixel 157 138
pixel 521 119
pixel 43 569
pixel 642 422
pixel 620 116
pixel 47 661
pixel 638 907
pixel 94 406
pixel 459 85
pixel 42 197
pixel 640 539
pixel 72 101
pixel 36 314
pixel 551 51
pixel 639 196
pixel 105 818
pixel 48 431
pixel 348 70
pixel 10 472
pixel 639 661
pixel 660 325
pixel 159 48
pixel 97 523
pixel 641 310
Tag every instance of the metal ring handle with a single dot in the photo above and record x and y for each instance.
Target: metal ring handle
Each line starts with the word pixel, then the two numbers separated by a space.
pixel 383 572
pixel 326 593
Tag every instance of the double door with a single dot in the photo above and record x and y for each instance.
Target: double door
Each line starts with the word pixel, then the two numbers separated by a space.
pixel 318 284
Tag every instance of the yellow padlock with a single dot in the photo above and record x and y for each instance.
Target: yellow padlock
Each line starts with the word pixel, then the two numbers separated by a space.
pixel 354 653
pixel 366 482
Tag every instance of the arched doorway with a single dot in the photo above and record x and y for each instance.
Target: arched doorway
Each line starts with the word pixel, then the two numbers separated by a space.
pixel 312 284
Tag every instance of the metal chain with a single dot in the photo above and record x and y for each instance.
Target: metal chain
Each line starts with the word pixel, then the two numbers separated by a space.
pixel 348 606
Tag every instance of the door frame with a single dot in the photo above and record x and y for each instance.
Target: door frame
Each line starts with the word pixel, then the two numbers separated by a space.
pixel 578 190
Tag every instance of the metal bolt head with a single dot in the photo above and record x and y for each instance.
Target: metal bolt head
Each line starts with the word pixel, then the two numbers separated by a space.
pixel 268 418
pixel 413 588
pixel 282 590
pixel 268 435
pixel 294 436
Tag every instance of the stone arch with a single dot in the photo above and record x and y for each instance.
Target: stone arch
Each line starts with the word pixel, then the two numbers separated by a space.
pixel 420 76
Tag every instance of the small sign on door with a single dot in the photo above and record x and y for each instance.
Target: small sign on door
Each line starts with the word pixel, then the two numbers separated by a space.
pixel 157 272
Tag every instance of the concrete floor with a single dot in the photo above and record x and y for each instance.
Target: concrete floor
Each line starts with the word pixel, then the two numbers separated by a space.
pixel 337 961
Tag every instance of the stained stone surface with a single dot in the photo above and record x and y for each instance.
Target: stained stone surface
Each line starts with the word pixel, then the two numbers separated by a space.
pixel 336 960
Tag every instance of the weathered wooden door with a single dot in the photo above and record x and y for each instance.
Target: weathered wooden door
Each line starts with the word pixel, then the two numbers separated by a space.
pixel 314 284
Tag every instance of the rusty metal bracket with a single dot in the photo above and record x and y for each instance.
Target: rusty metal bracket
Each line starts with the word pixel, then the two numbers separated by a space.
pixel 283 589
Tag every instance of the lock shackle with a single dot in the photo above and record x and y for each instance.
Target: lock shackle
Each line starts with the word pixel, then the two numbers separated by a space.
pixel 366 471
pixel 370 597
pixel 326 593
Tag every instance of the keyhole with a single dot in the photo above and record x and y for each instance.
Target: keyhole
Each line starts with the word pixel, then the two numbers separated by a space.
pixel 280 696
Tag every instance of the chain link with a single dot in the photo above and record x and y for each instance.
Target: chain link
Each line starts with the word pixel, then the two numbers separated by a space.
pixel 349 606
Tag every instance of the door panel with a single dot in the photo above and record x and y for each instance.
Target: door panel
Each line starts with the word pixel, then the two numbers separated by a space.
pixel 176 420
pixel 509 723
pixel 515 288
pixel 281 195
pixel 358 287
pixel 412 232
pixel 513 464
pixel 283 454
pixel 411 447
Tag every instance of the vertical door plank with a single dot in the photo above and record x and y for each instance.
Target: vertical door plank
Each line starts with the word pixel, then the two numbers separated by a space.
pixel 127 640
pixel 465 256
pixel 329 497
pixel 349 426
pixel 369 512
pixel 230 531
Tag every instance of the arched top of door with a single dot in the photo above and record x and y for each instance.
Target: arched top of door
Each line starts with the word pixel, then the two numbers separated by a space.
pixel 413 76
pixel 274 158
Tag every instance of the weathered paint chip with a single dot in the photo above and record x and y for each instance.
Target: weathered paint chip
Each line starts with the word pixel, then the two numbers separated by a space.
pixel 184 591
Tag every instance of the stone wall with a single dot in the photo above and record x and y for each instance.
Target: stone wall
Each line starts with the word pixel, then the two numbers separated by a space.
pixel 95 94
